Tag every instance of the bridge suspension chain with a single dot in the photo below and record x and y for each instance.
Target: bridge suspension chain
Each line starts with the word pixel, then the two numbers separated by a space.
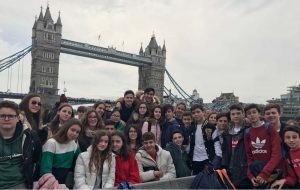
pixel 168 92
pixel 10 60
pixel 185 95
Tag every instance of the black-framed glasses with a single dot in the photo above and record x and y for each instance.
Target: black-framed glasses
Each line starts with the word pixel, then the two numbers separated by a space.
pixel 36 103
pixel 8 116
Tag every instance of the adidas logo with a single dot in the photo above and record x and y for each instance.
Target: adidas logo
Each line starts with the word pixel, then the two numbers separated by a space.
pixel 258 143
pixel 259 151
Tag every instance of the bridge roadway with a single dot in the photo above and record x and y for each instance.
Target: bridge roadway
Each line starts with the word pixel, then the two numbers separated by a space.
pixel 73 101
pixel 107 54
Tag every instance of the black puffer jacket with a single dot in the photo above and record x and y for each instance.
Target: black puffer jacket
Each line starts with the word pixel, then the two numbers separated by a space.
pixel 207 131
pixel 236 165
pixel 32 152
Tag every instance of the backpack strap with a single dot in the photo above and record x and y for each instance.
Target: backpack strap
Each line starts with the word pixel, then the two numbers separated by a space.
pixel 149 126
pixel 224 172
pixel 247 132
pixel 266 126
pixel 219 172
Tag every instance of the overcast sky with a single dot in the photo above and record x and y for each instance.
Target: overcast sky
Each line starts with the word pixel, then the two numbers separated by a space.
pixel 249 47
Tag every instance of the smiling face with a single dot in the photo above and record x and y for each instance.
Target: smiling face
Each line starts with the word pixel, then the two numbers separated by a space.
pixel 65 113
pixel 180 109
pixel 272 116
pixel 92 119
pixel 100 109
pixel 73 132
pixel 292 139
pixel 103 143
pixel 157 113
pixel 34 104
pixel 128 99
pixel 212 119
pixel 115 116
pixel 149 146
pixel 149 96
pixel 177 139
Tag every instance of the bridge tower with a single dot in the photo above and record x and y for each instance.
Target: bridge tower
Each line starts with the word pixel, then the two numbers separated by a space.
pixel 46 40
pixel 153 75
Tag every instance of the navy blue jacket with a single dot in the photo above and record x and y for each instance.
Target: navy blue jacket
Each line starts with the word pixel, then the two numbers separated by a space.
pixel 167 129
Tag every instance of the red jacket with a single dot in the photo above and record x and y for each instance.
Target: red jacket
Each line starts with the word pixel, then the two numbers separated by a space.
pixel 291 178
pixel 127 170
pixel 263 145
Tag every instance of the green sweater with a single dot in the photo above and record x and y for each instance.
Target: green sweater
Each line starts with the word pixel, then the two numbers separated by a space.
pixel 180 160
pixel 11 160
pixel 58 158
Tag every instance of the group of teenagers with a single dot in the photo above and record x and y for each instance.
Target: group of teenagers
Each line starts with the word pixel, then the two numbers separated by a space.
pixel 140 140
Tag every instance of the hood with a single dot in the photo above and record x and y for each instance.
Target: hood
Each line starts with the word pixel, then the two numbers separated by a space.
pixel 144 153
pixel 18 134
pixel 174 146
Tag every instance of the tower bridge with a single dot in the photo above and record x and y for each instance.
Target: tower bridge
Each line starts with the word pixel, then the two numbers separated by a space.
pixel 47 44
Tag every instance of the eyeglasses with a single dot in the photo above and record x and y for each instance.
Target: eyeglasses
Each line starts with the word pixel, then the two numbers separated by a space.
pixel 92 117
pixel 9 117
pixel 115 115
pixel 36 103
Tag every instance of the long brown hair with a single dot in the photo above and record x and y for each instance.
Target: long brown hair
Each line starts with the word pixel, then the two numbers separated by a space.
pixel 61 136
pixel 33 118
pixel 85 121
pixel 98 157
pixel 124 153
pixel 54 124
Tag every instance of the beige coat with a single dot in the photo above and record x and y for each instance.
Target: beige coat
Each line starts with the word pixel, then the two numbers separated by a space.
pixel 164 163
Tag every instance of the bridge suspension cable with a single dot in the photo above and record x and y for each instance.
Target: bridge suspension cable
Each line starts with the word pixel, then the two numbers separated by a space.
pixel 185 95
pixel 10 60
pixel 169 93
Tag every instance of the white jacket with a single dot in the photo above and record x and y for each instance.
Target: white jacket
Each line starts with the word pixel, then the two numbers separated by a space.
pixel 84 179
pixel 164 163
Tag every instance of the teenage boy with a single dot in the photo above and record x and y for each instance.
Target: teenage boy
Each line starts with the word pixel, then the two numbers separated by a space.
pixel 169 125
pixel 20 150
pixel 108 109
pixel 110 126
pixel 263 147
pixel 272 115
pixel 154 163
pixel 179 110
pixel 187 122
pixel 149 98
pixel 202 150
pixel 180 158
pixel 126 105
pixel 292 163
pixel 81 110
pixel 234 158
